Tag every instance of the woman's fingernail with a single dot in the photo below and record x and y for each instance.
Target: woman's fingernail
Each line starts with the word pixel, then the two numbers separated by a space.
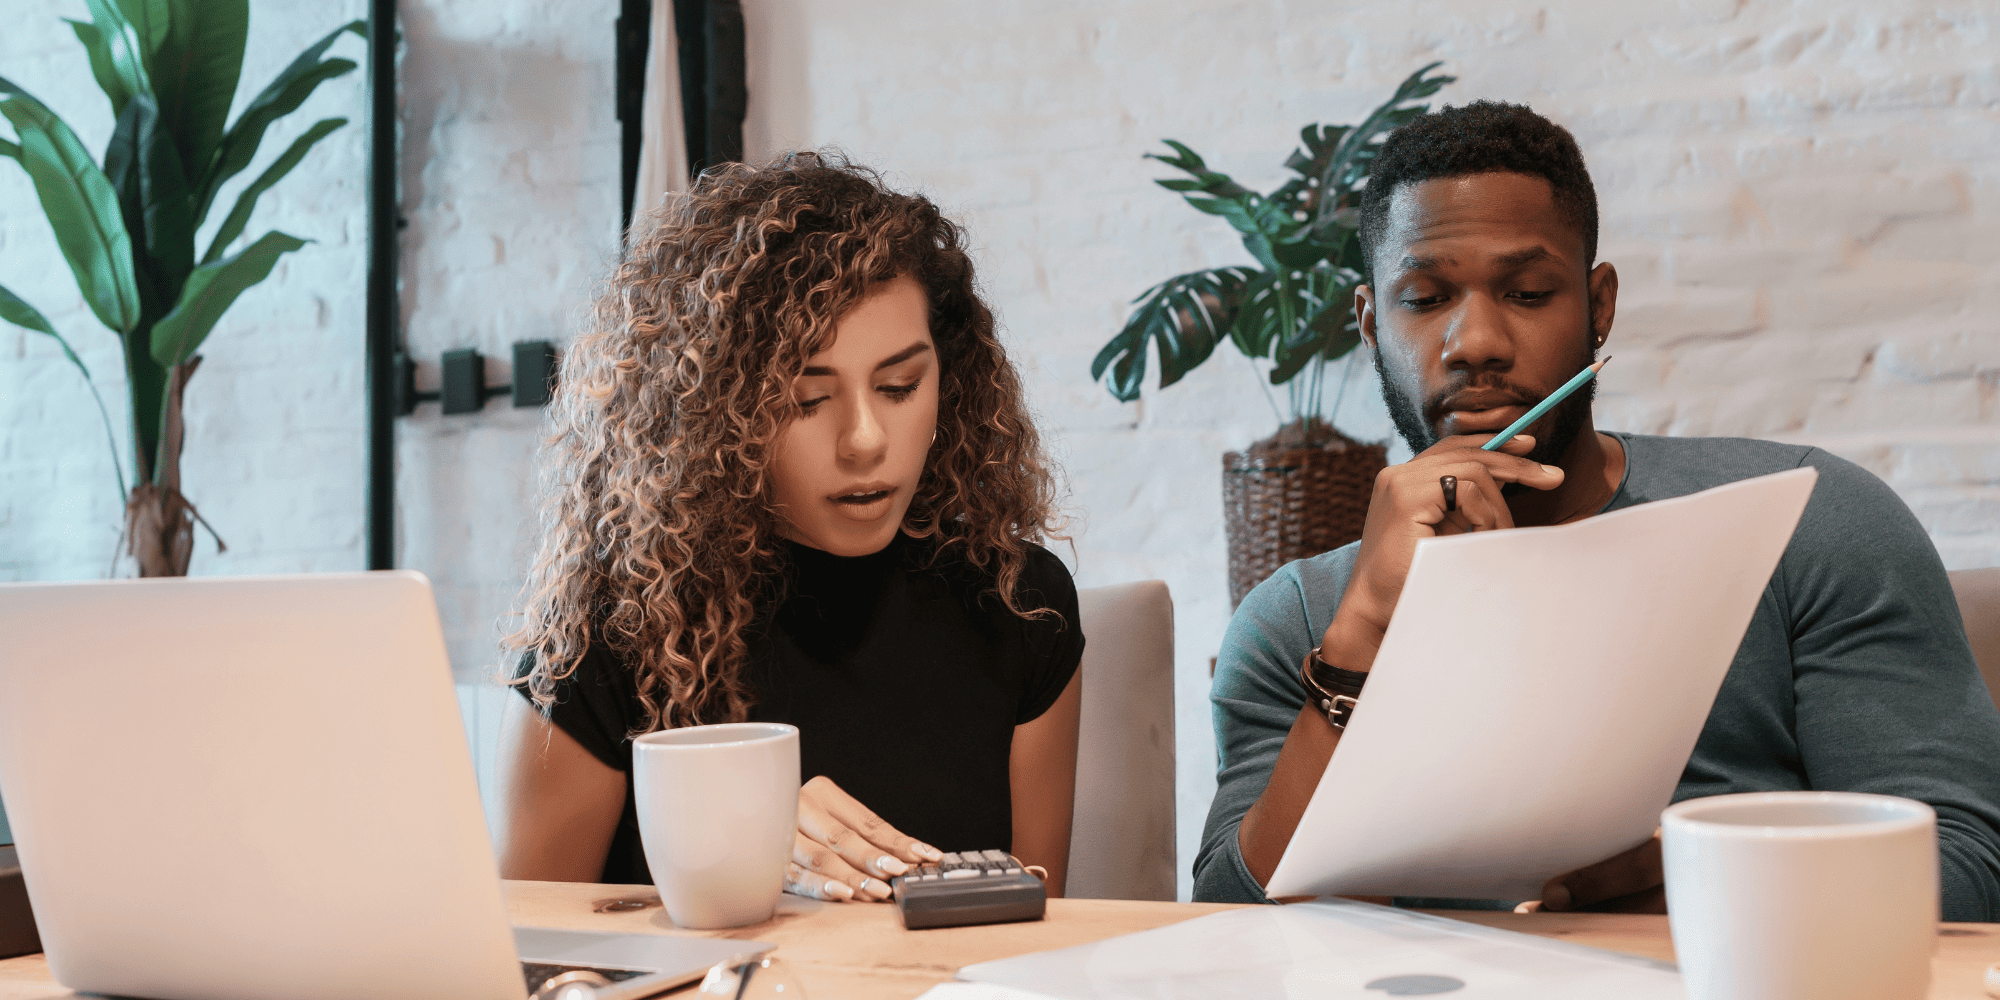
pixel 927 851
pixel 874 888
pixel 891 865
pixel 836 889
pixel 1550 469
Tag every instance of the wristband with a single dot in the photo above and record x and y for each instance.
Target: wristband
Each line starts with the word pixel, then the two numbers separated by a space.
pixel 1336 690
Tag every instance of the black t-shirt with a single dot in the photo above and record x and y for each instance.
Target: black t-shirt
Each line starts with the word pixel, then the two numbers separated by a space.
pixel 905 679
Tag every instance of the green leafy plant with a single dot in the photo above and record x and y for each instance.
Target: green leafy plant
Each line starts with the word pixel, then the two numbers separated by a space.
pixel 170 69
pixel 1295 308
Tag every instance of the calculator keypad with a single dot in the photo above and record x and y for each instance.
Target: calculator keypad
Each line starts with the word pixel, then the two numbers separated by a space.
pixel 968 887
pixel 970 864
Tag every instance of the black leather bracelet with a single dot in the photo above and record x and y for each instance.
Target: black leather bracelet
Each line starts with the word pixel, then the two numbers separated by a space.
pixel 1336 690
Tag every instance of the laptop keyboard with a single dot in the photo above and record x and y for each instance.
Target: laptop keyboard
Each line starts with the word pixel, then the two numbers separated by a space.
pixel 537 973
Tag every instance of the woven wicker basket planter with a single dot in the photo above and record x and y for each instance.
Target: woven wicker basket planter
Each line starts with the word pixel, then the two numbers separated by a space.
pixel 1284 505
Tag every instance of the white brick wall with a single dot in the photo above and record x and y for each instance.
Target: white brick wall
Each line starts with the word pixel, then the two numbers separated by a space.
pixel 1801 199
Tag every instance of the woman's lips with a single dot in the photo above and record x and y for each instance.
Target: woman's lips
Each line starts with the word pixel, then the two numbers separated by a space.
pixel 863 505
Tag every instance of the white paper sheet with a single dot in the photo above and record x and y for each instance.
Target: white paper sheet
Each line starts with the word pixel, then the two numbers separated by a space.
pixel 1537 696
pixel 1330 949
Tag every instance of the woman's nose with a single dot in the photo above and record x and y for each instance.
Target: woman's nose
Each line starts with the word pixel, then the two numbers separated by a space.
pixel 864 438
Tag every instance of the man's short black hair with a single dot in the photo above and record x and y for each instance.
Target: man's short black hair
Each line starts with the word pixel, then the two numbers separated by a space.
pixel 1479 138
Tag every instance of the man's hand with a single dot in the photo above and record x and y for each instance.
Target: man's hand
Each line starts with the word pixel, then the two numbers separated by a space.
pixel 1629 882
pixel 843 851
pixel 1408 506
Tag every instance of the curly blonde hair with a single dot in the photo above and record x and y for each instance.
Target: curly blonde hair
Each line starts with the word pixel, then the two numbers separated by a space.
pixel 658 538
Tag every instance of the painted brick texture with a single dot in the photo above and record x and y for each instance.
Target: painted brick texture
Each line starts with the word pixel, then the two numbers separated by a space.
pixel 1801 200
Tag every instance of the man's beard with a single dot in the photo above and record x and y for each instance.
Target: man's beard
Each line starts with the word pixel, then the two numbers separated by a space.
pixel 1570 415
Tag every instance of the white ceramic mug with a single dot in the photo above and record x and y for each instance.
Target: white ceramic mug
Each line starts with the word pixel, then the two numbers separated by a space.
pixel 718 808
pixel 1820 895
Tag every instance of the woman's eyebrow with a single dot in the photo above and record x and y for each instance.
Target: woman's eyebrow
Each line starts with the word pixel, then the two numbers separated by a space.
pixel 894 359
pixel 903 355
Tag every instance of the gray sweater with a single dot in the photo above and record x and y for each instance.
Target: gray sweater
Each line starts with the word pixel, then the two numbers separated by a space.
pixel 1854 674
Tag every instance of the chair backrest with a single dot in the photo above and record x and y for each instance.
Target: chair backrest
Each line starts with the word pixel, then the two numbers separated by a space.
pixel 1978 592
pixel 1121 844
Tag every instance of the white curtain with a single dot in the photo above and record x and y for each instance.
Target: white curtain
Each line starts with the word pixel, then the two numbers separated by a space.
pixel 663 161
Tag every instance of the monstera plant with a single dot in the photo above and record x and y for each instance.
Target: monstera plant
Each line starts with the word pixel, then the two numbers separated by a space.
pixel 128 227
pixel 1305 489
pixel 1294 308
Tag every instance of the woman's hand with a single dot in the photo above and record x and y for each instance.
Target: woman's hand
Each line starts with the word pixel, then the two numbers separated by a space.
pixel 843 851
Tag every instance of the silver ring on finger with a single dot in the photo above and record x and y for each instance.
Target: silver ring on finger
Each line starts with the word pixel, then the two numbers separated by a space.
pixel 1450 486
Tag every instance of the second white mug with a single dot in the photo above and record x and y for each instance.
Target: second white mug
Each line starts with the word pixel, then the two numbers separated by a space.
pixel 718 808
pixel 1802 895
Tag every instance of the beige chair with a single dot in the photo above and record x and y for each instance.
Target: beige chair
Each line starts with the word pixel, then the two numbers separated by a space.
pixel 1121 844
pixel 1978 592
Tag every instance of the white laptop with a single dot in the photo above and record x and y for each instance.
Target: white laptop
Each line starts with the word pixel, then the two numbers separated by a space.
pixel 260 788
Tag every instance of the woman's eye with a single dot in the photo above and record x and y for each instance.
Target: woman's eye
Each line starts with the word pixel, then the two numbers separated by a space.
pixel 809 405
pixel 900 392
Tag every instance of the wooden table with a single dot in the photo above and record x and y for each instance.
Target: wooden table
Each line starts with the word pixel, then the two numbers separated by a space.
pixel 852 950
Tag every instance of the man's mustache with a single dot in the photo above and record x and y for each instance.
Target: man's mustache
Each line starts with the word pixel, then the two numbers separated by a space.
pixel 1494 389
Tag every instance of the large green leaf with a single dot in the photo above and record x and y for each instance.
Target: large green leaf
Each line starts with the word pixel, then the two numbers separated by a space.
pixel 81 207
pixel 195 72
pixel 1324 329
pixel 1182 318
pixel 151 20
pixel 21 314
pixel 122 167
pixel 127 49
pixel 1257 324
pixel 144 168
pixel 10 149
pixel 115 87
pixel 239 216
pixel 169 206
pixel 283 96
pixel 164 199
pixel 210 291
pixel 1357 149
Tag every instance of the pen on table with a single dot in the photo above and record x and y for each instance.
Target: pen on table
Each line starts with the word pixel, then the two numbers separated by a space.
pixel 1544 406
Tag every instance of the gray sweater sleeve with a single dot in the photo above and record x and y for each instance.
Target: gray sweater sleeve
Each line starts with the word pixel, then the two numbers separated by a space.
pixel 1255 698
pixel 1888 697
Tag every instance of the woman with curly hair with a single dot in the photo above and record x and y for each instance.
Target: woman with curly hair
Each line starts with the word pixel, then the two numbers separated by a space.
pixel 793 480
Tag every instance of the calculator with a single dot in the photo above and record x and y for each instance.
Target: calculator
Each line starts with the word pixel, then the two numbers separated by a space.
pixel 969 887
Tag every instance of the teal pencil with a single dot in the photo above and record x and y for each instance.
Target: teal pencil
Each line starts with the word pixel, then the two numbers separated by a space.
pixel 1544 406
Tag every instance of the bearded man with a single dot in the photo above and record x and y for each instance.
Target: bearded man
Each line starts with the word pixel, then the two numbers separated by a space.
pixel 1479 226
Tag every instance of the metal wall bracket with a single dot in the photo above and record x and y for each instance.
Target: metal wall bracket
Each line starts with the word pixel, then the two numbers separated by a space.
pixel 463 388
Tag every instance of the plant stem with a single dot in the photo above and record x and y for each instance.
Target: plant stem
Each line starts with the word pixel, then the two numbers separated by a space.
pixel 110 437
pixel 1346 372
pixel 1264 386
pixel 1286 322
